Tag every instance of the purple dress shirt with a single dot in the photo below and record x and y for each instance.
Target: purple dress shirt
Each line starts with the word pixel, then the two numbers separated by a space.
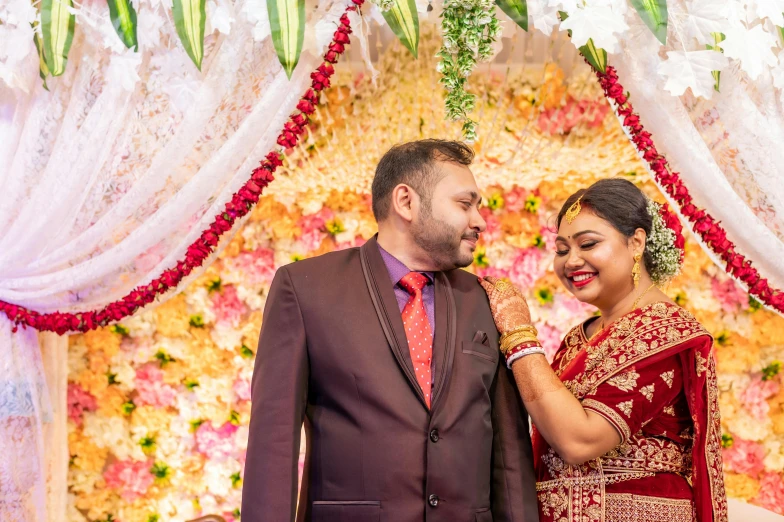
pixel 396 271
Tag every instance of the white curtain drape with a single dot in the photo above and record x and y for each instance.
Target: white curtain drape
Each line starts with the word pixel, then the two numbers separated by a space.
pixel 106 180
pixel 727 149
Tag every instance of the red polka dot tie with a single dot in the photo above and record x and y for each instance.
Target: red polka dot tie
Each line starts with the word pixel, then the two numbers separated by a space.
pixel 418 333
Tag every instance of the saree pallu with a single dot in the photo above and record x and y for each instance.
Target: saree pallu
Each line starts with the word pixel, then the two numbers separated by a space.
pixel 651 374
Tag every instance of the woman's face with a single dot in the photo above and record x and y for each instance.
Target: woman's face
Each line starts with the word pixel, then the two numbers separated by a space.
pixel 594 261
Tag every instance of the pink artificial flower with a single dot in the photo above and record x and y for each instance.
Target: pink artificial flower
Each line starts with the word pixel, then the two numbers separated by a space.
pixel 150 388
pixel 216 443
pixel 731 296
pixel 312 239
pixel 131 477
pixel 257 267
pixel 317 221
pixel 550 338
pixel 526 268
pixel 755 396
pixel 242 389
pixel 514 200
pixel 745 457
pixel 358 241
pixel 491 271
pixel 229 309
pixel 771 493
pixel 493 231
pixel 79 401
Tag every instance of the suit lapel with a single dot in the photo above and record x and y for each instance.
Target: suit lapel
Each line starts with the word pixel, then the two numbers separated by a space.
pixel 444 339
pixel 383 296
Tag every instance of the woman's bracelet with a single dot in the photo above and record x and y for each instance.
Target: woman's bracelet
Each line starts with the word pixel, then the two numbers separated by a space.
pixel 521 350
pixel 519 336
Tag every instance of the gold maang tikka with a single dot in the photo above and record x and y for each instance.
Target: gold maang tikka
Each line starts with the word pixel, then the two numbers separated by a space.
pixel 573 211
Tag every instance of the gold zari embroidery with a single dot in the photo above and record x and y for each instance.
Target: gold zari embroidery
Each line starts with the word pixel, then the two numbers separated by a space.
pixel 621 507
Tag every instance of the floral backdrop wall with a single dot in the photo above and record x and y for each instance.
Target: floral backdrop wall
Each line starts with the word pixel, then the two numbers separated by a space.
pixel 159 405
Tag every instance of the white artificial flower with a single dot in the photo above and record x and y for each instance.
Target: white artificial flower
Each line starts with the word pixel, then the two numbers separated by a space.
pixel 774 457
pixel 226 336
pixel 569 6
pixel 752 47
pixel 691 69
pixel 218 18
pixel 543 16
pixel 150 23
pixel 597 21
pixel 123 68
pixel 112 433
pixel 704 17
pixel 771 9
pixel 200 303
pixel 125 375
pixel 140 324
pixel 251 297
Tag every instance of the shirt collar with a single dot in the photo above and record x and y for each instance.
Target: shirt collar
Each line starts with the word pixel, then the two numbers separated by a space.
pixel 397 269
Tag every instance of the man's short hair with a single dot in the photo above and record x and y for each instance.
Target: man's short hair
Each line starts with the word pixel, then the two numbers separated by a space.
pixel 413 164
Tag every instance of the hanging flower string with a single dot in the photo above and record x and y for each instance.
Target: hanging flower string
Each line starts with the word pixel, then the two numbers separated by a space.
pixel 241 203
pixel 469 29
pixel 707 228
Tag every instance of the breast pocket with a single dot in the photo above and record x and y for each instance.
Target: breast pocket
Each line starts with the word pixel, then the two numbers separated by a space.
pixel 347 511
pixel 480 350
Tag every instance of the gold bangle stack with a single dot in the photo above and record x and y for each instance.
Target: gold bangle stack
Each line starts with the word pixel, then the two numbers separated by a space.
pixel 518 336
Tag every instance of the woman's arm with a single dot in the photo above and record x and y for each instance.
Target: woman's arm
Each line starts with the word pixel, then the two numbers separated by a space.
pixel 576 434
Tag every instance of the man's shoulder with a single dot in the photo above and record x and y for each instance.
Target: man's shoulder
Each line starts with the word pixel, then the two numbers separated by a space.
pixel 325 265
pixel 464 281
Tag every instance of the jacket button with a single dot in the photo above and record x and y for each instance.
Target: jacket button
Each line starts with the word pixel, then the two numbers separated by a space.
pixel 433 500
pixel 434 435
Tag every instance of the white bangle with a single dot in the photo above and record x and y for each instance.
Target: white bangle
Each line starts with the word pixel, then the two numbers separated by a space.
pixel 523 353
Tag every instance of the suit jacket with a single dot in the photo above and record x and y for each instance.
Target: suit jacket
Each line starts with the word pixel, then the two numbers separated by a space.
pixel 333 354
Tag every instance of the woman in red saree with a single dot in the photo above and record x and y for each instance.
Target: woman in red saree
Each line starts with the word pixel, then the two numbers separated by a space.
pixel 626 419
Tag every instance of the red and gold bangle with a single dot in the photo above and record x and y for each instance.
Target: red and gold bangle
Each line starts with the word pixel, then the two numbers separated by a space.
pixel 521 350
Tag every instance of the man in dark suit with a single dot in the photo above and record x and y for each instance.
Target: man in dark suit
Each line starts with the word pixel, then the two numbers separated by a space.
pixel 389 355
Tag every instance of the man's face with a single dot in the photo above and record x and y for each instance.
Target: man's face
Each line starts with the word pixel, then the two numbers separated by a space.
pixel 447 226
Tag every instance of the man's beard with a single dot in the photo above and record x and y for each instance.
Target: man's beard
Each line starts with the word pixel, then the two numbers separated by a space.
pixel 441 241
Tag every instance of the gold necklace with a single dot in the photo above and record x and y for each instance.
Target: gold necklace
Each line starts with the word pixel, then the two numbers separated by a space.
pixel 634 307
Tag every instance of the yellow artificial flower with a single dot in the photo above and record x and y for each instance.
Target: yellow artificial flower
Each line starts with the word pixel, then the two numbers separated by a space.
pixel 154 419
pixel 741 486
pixel 110 404
pixel 233 248
pixel 268 209
pixel 98 503
pixel 738 355
pixel 92 382
pixel 285 227
pixel 768 327
pixel 103 340
pixel 345 201
pixel 172 318
pixel 86 455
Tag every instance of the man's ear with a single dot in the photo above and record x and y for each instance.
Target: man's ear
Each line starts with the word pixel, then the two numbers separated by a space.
pixel 404 200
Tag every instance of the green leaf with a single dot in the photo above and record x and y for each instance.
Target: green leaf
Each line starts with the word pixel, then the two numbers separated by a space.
pixel 404 22
pixel 596 56
pixel 287 22
pixel 517 10
pixel 717 39
pixel 189 16
pixel 57 25
pixel 654 14
pixel 43 69
pixel 123 17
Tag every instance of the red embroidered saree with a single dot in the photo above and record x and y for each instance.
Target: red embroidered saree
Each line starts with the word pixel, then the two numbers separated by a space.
pixel 651 374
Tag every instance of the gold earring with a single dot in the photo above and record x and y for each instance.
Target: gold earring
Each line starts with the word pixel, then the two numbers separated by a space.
pixel 636 269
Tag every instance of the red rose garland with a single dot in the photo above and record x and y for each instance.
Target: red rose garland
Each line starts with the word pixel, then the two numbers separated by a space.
pixel 708 229
pixel 241 203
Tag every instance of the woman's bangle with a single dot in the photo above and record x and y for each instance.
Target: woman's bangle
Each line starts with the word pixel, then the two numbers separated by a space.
pixel 520 351
pixel 516 337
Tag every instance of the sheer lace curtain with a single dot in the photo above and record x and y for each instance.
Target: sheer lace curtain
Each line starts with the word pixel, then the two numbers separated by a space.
pixel 106 180
pixel 727 149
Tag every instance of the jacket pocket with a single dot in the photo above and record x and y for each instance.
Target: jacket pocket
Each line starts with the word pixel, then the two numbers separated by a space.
pixel 480 350
pixel 346 511
pixel 484 515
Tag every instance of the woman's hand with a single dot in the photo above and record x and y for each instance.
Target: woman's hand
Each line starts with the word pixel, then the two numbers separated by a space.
pixel 509 307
